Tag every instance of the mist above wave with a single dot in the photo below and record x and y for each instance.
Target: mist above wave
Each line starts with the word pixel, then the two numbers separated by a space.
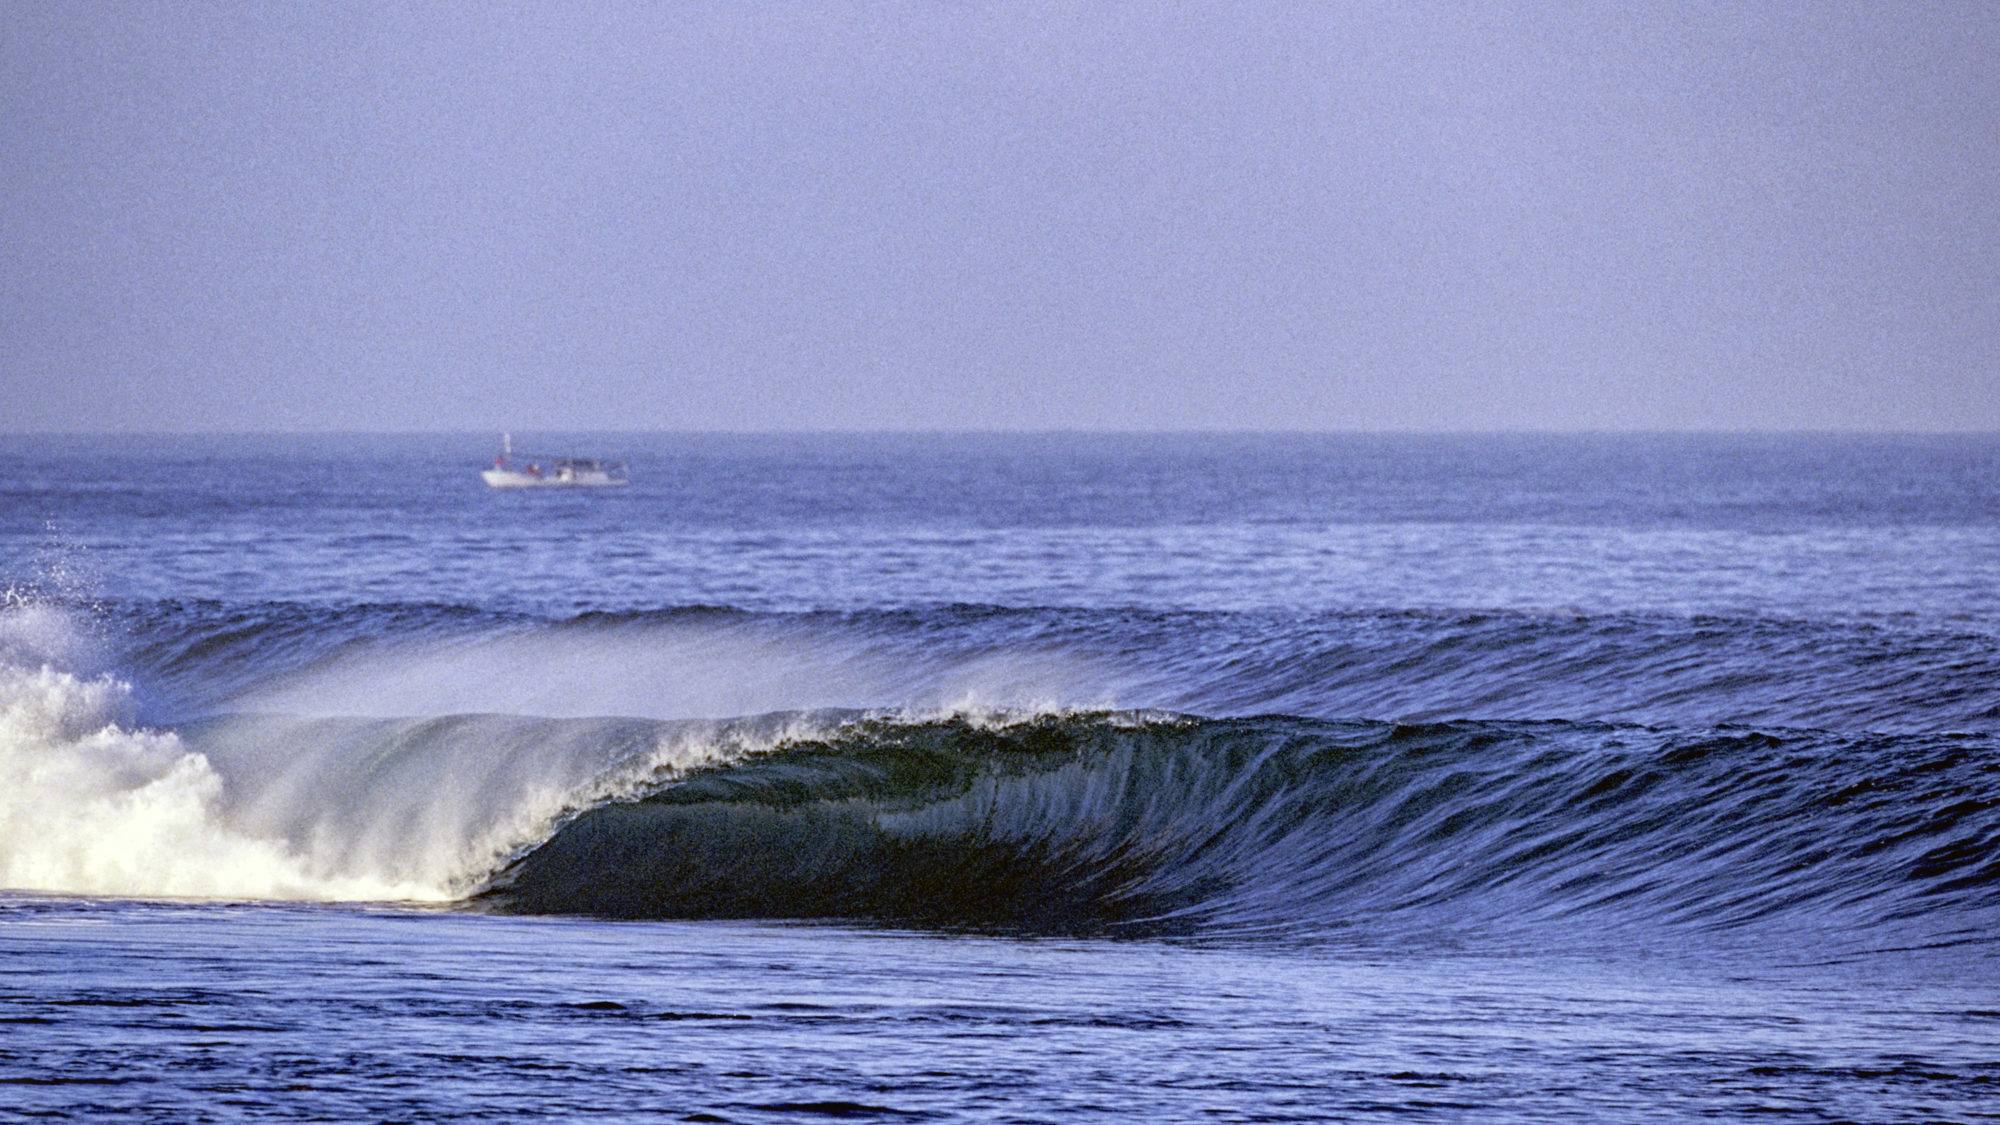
pixel 196 658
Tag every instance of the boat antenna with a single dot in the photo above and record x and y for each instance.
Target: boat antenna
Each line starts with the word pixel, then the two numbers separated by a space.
pixel 506 445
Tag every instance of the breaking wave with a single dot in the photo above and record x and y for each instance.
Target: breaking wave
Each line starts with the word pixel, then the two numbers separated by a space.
pixel 1018 771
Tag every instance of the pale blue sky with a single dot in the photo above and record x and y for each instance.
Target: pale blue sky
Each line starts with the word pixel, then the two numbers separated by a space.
pixel 960 215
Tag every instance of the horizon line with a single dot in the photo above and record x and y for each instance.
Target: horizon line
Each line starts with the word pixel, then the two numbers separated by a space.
pixel 1053 431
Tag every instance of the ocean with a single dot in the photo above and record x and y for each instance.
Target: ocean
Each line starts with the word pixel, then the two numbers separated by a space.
pixel 997 778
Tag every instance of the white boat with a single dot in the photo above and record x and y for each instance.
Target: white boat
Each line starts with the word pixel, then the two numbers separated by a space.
pixel 509 471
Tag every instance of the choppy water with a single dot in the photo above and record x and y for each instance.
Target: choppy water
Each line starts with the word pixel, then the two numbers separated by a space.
pixel 1003 778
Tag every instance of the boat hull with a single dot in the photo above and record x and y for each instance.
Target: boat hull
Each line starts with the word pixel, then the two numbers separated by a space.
pixel 513 478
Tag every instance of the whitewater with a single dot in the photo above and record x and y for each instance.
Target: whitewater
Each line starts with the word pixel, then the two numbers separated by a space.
pixel 983 778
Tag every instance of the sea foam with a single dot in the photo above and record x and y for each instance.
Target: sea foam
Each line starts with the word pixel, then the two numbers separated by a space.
pixel 93 803
pixel 90 804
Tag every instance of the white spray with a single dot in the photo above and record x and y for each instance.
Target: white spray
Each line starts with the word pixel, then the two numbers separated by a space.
pixel 91 804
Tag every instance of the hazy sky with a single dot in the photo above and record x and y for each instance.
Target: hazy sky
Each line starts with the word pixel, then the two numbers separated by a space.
pixel 959 215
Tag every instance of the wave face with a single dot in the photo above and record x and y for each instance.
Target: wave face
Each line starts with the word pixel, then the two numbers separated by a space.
pixel 1127 823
